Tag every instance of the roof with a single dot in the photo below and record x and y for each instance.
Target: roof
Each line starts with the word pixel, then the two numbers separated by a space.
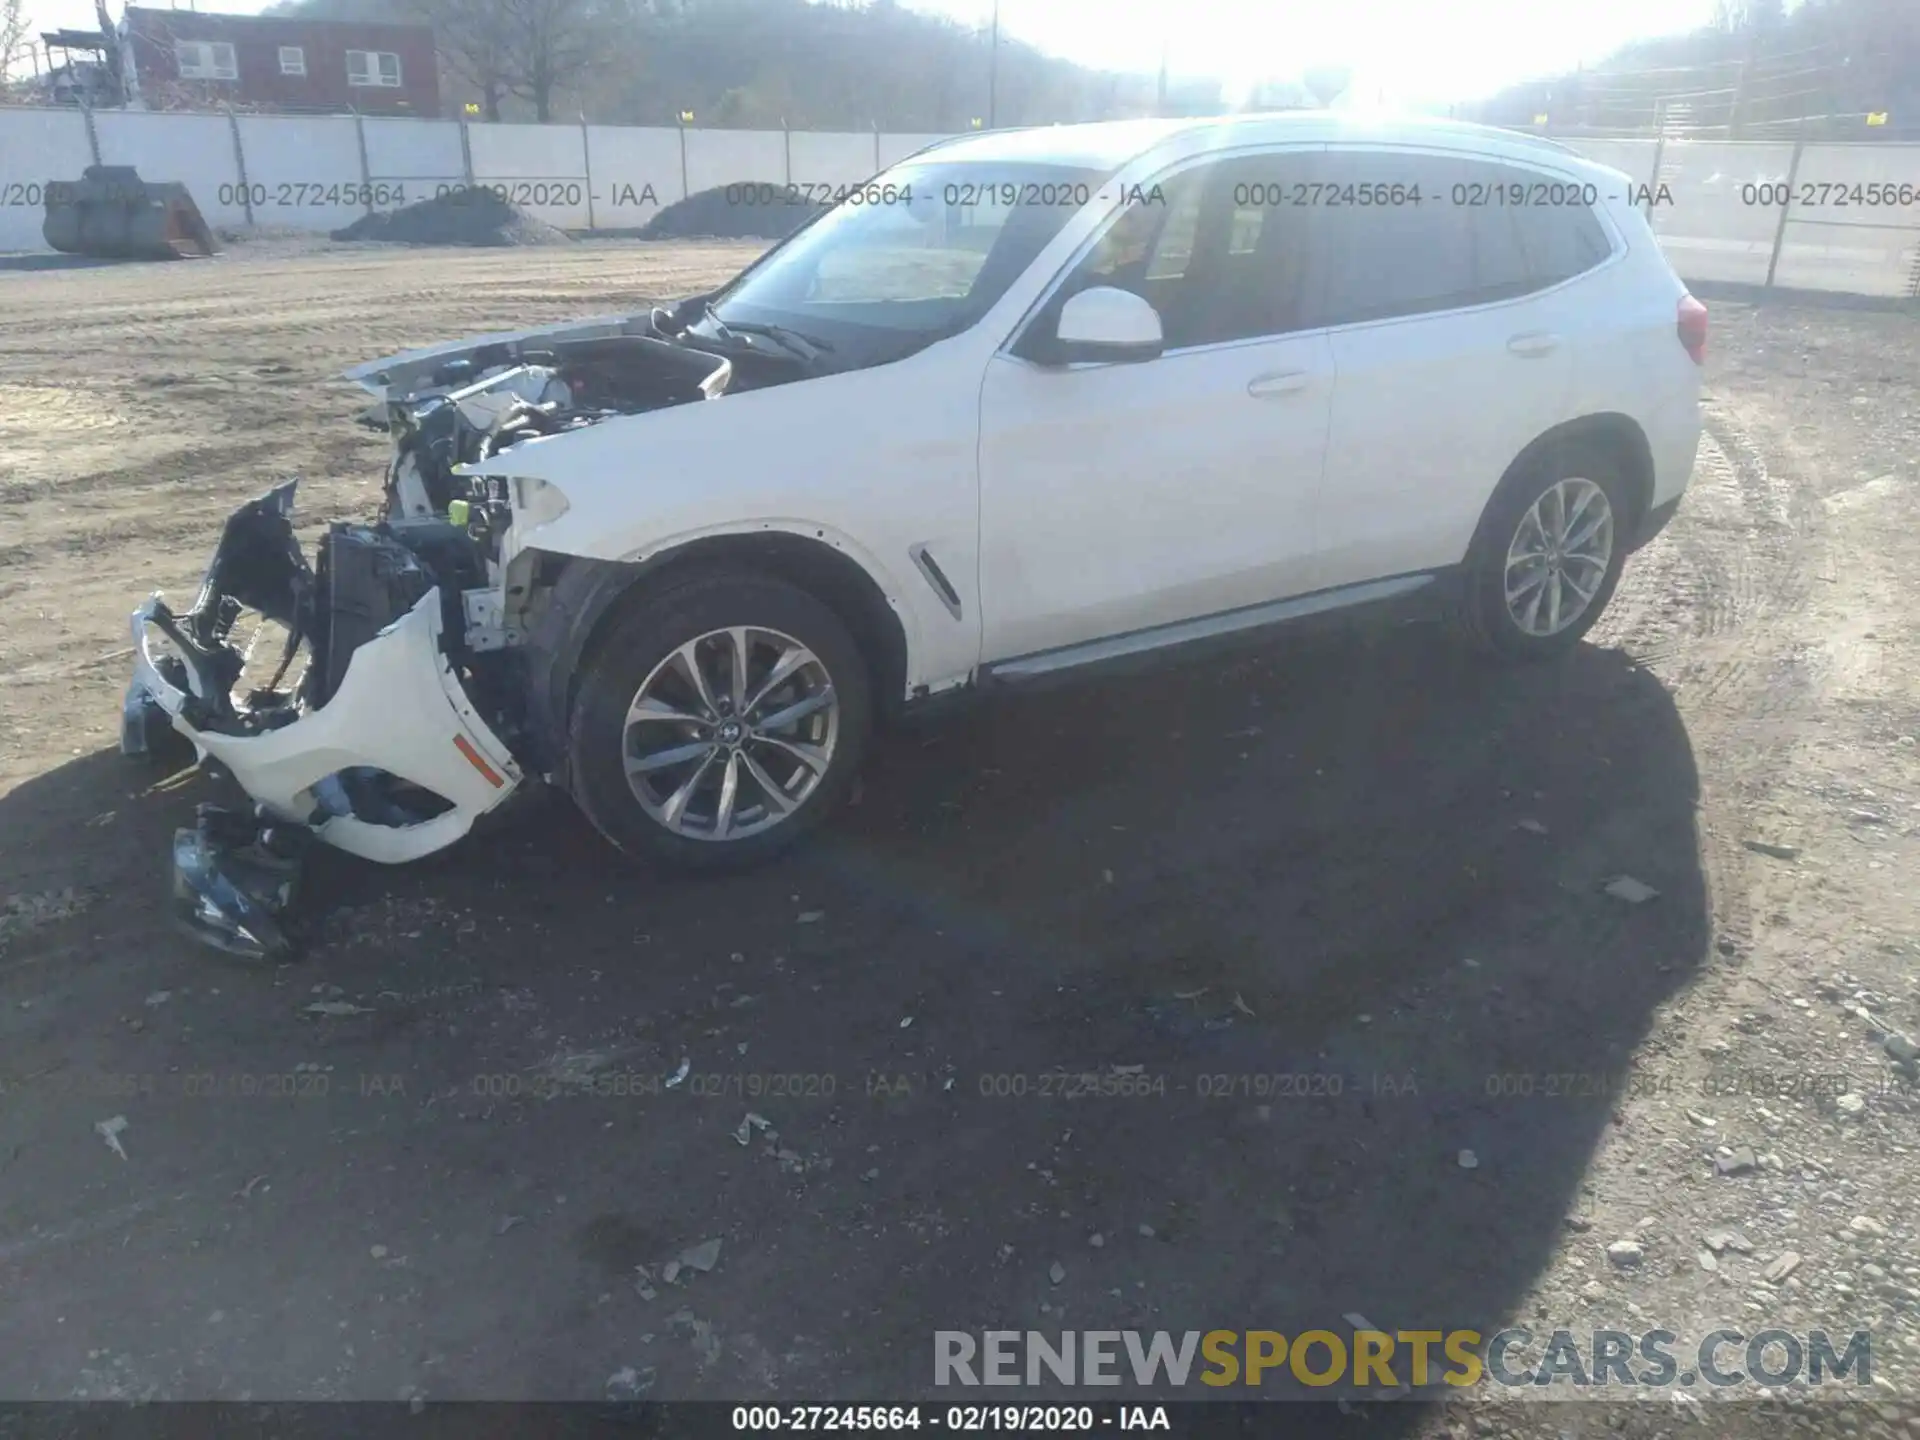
pixel 264 22
pixel 1109 144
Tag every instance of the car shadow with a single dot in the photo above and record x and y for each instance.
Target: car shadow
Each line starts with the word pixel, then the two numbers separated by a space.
pixel 1289 975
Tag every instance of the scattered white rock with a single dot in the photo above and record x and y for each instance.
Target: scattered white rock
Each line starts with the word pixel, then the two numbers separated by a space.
pixel 1780 1268
pixel 1850 1106
pixel 1626 1253
pixel 1634 892
pixel 1056 1272
pixel 378 1252
pixel 702 1257
pixel 1867 1225
pixel 1468 1160
pixel 1722 1240
pixel 627 1383
pixel 809 917
pixel 110 1131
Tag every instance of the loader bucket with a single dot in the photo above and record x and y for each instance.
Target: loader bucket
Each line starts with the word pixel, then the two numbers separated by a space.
pixel 111 213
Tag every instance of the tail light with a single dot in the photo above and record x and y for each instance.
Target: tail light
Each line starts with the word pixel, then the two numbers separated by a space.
pixel 1692 328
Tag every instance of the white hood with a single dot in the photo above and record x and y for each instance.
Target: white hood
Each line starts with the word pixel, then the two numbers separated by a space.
pixel 396 375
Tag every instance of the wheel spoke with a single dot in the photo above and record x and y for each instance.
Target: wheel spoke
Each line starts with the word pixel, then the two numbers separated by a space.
pixel 811 756
pixel 1579 541
pixel 1557 510
pixel 1583 498
pixel 667 759
pixel 1528 584
pixel 729 794
pixel 652 708
pixel 776 797
pixel 737 678
pixel 797 711
pixel 673 813
pixel 1585 597
pixel 1553 603
pixel 1531 621
pixel 791 660
pixel 1522 546
pixel 687 658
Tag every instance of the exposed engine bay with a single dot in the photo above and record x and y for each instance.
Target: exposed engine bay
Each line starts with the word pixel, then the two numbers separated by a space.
pixel 392 713
pixel 478 405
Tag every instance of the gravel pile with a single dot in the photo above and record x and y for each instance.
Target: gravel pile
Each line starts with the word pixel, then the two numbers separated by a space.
pixel 462 217
pixel 732 212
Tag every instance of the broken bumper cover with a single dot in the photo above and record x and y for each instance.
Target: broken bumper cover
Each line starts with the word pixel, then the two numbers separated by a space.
pixel 399 710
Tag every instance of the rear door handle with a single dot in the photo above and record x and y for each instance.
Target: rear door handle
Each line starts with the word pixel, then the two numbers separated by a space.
pixel 1534 343
pixel 1279 382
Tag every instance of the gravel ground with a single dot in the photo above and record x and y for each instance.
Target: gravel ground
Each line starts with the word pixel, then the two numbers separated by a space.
pixel 1361 861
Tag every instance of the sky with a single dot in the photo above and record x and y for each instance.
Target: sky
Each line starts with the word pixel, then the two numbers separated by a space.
pixel 1402 52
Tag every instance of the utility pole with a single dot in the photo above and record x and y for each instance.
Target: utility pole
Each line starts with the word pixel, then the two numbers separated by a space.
pixel 993 66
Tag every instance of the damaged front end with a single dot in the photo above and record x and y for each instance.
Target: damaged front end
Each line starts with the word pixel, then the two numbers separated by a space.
pixel 374 700
pixel 376 729
pixel 461 404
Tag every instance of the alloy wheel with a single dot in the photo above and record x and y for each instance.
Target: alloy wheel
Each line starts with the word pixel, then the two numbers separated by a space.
pixel 1559 556
pixel 730 733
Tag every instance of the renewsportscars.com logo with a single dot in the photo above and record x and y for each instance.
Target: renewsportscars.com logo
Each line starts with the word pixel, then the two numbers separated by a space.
pixel 1400 1360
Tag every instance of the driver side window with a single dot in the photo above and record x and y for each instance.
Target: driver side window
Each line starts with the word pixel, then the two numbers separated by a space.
pixel 1212 249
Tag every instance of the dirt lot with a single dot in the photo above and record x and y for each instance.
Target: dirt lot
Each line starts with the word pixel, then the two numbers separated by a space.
pixel 1373 865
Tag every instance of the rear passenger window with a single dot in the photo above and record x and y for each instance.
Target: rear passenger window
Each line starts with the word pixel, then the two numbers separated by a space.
pixel 1480 231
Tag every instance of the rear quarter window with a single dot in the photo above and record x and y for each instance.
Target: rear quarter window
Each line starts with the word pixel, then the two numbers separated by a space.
pixel 1478 231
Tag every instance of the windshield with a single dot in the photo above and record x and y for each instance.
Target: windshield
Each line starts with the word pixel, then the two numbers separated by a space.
pixel 918 253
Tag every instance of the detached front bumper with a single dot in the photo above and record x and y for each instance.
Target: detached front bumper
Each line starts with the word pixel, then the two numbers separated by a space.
pixel 376 748
pixel 400 711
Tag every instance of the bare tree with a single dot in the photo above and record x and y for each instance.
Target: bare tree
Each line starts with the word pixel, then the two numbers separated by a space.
pixel 532 49
pixel 553 43
pixel 14 25
pixel 475 40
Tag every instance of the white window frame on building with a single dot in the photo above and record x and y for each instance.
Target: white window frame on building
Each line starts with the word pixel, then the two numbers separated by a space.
pixel 293 60
pixel 201 60
pixel 377 69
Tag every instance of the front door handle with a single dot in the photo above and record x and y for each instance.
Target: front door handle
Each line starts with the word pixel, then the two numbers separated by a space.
pixel 1279 382
pixel 1533 344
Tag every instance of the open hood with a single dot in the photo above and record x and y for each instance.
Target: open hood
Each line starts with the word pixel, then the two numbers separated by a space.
pixel 396 376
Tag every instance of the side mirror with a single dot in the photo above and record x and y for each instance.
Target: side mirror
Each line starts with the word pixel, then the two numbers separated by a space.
pixel 1105 324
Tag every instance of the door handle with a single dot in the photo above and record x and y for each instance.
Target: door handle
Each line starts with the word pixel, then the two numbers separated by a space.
pixel 1534 343
pixel 1280 382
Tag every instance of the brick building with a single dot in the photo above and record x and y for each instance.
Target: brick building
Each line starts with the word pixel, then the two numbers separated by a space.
pixel 188 57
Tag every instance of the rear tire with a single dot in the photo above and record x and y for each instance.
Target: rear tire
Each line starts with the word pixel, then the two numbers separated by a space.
pixel 1546 558
pixel 681 755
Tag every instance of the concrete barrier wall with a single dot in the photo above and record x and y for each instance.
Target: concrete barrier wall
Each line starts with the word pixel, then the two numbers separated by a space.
pixel 826 160
pixel 303 176
pixel 734 157
pixel 321 172
pixel 635 172
pixel 36 146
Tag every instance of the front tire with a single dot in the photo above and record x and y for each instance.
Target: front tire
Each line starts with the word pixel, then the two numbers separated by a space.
pixel 1547 557
pixel 718 722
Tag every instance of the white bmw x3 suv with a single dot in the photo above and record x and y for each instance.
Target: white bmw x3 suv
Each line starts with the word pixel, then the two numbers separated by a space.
pixel 1026 401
